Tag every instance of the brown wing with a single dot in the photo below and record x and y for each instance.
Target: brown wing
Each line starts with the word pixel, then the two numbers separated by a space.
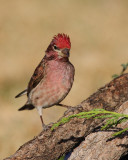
pixel 36 77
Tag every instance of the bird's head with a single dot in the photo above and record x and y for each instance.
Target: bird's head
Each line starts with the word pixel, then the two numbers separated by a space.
pixel 59 47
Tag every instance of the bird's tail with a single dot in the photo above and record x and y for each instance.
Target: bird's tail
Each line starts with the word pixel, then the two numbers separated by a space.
pixel 26 107
pixel 21 93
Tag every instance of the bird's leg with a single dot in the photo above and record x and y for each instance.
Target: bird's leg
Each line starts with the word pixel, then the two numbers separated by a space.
pixel 70 108
pixel 65 106
pixel 39 109
pixel 43 125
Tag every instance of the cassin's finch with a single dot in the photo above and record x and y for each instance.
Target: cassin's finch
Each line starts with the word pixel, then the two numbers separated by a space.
pixel 53 77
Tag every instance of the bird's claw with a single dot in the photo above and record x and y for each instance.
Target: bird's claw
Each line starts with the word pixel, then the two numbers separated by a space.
pixel 72 109
pixel 46 127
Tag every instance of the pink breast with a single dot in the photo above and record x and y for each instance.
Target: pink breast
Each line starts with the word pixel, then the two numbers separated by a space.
pixel 54 87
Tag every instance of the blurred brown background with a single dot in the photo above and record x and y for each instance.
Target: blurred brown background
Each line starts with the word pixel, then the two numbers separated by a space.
pixel 99 36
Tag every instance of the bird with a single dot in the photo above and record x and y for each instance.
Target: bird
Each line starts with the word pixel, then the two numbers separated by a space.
pixel 52 79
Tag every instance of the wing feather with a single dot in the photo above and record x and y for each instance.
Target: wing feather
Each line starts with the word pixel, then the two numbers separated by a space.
pixel 37 76
pixel 21 93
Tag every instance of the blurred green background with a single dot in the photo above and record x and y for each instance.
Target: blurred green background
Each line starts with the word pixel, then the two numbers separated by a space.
pixel 99 34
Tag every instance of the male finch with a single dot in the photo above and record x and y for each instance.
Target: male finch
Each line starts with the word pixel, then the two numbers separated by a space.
pixel 53 77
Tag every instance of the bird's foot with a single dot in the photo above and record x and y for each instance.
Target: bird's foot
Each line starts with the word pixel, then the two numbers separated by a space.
pixel 74 110
pixel 71 109
pixel 46 127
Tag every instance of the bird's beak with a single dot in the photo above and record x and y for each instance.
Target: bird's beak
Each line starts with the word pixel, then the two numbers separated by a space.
pixel 64 53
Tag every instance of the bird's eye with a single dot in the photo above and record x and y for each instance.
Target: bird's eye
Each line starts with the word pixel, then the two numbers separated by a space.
pixel 55 47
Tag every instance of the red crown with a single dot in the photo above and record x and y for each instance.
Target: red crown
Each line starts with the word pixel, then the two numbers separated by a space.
pixel 62 41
